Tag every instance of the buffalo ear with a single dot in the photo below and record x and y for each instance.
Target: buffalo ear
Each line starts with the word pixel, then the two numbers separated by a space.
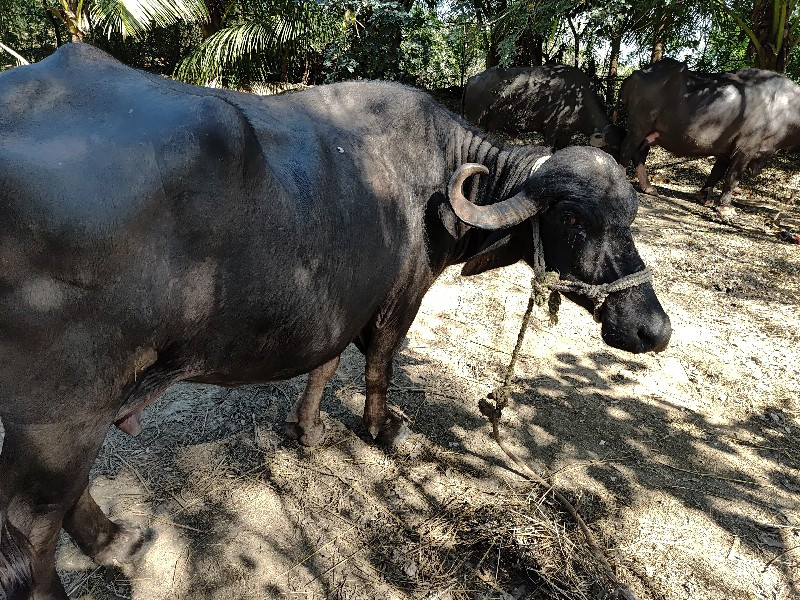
pixel 449 220
pixel 502 248
pixel 597 140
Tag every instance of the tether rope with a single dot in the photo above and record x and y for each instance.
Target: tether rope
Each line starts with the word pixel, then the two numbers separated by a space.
pixel 546 286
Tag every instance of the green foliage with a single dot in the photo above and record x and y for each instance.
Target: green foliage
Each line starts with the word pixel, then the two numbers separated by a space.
pixel 725 47
pixel 444 54
pixel 25 28
pixel 158 50
pixel 770 26
pixel 136 17
pixel 379 39
pixel 523 22
pixel 431 43
pixel 83 18
pixel 369 43
pixel 262 40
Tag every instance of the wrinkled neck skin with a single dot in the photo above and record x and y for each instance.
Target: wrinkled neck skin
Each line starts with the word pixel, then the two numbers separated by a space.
pixel 509 167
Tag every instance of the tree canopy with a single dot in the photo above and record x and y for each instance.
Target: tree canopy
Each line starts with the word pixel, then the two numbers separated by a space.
pixel 430 43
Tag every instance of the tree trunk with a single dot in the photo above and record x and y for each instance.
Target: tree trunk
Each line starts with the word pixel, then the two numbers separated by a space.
pixel 576 39
pixel 657 52
pixel 772 29
pixel 613 65
pixel 72 19
pixel 462 62
pixel 485 15
pixel 538 51
pixel 216 13
pixel 492 50
pixel 529 49
pixel 56 29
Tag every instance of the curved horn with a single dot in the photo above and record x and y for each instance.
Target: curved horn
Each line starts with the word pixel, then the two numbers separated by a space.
pixel 494 216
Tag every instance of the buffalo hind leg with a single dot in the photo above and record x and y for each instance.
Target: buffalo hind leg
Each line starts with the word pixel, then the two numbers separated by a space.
pixel 100 538
pixel 15 562
pixel 44 469
pixel 641 171
pixel 732 177
pixel 303 422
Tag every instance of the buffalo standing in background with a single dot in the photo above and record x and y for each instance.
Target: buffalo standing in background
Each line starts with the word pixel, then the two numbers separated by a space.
pixel 153 232
pixel 555 100
pixel 740 117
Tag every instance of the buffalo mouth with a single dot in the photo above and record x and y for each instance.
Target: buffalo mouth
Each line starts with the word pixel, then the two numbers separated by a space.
pixel 644 338
pixel 635 322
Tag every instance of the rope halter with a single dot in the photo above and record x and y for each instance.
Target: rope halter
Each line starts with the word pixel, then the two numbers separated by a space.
pixel 596 293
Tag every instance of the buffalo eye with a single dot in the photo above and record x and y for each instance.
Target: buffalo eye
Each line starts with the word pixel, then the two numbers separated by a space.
pixel 572 221
pixel 575 232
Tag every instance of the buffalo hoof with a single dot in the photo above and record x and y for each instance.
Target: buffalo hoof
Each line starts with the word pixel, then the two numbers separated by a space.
pixel 308 436
pixel 395 431
pixel 127 546
pixel 726 211
pixel 650 191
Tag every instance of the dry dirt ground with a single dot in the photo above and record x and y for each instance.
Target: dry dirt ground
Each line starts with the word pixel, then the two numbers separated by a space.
pixel 685 464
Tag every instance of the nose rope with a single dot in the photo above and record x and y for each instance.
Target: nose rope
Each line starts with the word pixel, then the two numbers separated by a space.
pixel 541 284
pixel 598 293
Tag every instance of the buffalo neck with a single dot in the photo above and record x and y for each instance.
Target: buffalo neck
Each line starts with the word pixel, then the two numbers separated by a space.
pixel 594 116
pixel 509 166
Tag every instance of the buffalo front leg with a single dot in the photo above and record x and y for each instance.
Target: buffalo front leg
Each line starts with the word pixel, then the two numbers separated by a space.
pixel 106 542
pixel 303 422
pixel 384 424
pixel 717 171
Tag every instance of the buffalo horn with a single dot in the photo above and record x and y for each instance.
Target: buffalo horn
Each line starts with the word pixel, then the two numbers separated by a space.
pixel 493 216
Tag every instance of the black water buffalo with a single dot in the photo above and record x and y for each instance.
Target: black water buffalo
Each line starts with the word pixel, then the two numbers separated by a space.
pixel 154 232
pixel 555 100
pixel 740 117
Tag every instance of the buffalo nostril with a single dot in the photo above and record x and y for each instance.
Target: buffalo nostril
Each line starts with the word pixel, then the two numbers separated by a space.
pixel 655 339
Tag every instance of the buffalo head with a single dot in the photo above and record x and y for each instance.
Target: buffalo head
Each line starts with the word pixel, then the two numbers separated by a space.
pixel 610 139
pixel 585 209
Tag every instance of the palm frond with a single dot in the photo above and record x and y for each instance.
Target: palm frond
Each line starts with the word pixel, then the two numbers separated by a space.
pixel 284 30
pixel 135 17
pixel 215 56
